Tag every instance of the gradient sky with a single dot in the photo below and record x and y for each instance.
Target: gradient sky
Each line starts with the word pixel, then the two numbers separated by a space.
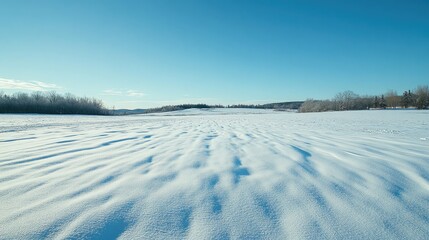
pixel 151 53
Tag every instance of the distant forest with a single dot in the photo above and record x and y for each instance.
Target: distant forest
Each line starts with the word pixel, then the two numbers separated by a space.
pixel 276 106
pixel 170 108
pixel 54 103
pixel 348 100
pixel 50 103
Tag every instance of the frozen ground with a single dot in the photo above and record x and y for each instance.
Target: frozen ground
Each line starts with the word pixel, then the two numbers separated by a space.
pixel 216 174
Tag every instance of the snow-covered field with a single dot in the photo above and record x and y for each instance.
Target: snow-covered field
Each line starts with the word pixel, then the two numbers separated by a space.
pixel 217 174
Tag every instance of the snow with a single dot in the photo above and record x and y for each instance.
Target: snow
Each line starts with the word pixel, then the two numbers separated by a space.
pixel 216 174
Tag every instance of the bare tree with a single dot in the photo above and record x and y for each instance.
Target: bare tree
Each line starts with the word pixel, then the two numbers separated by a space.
pixel 50 103
pixel 345 100
pixel 422 97
pixel 392 99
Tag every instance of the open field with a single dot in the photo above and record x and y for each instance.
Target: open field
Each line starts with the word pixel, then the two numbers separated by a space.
pixel 216 174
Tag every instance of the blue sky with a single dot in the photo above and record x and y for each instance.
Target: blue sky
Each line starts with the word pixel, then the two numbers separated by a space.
pixel 151 53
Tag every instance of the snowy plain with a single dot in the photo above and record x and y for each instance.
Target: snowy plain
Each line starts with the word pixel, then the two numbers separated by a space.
pixel 216 174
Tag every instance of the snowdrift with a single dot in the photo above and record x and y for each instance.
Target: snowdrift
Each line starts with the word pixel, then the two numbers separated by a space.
pixel 218 174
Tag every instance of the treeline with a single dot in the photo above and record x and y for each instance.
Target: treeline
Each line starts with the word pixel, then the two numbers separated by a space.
pixel 50 103
pixel 348 100
pixel 171 108
pixel 276 106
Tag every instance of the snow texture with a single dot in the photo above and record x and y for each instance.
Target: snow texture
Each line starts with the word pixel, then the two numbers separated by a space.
pixel 216 174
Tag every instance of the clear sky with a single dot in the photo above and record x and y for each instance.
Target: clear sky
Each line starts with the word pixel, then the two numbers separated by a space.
pixel 139 54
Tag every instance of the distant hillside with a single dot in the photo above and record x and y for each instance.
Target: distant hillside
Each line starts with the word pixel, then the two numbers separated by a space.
pixel 278 106
pixel 284 105
pixel 128 111
pixel 169 108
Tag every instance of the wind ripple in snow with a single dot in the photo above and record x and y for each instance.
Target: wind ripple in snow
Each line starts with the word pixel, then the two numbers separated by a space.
pixel 252 176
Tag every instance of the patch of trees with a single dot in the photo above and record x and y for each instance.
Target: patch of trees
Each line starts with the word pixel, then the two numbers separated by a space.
pixel 348 100
pixel 127 111
pixel 171 108
pixel 283 105
pixel 276 106
pixel 245 106
pixel 422 97
pixel 50 103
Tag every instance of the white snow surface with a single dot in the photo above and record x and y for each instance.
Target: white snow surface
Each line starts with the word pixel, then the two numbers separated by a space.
pixel 216 174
